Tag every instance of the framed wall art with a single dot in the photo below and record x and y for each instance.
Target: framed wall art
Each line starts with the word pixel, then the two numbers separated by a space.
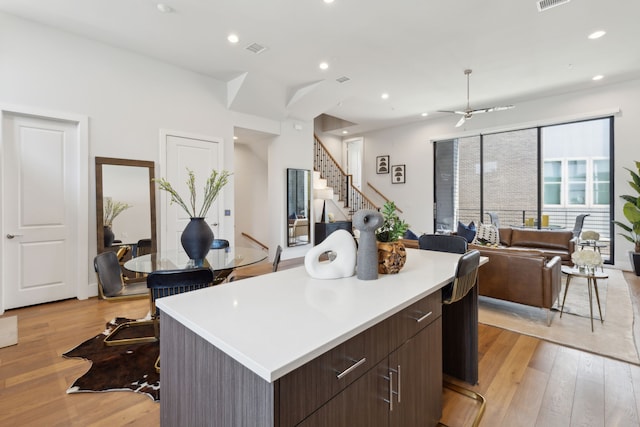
pixel 398 174
pixel 382 164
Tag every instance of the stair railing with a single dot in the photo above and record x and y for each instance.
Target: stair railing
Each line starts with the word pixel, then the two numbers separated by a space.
pixel 254 240
pixel 339 180
pixel 386 199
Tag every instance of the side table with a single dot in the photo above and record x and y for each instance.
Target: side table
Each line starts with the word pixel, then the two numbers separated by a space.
pixel 592 284
pixel 323 229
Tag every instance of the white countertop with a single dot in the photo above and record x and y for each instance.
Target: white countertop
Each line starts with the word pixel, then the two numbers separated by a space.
pixel 275 323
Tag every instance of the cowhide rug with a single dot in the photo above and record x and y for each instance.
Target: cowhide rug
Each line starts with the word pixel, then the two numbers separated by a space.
pixel 118 368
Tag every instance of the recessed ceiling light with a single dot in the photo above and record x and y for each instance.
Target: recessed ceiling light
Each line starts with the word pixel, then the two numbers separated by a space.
pixel 597 34
pixel 385 96
pixel 344 131
pixel 233 38
pixel 328 1
pixel 235 138
pixel 424 114
pixel 598 77
pixel 164 8
pixel 324 65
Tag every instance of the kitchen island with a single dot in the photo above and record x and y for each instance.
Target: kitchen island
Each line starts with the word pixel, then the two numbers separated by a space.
pixel 285 349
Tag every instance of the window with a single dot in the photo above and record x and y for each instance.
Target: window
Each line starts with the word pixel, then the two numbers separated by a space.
pixel 552 182
pixel 577 182
pixel 575 185
pixel 601 182
pixel 553 172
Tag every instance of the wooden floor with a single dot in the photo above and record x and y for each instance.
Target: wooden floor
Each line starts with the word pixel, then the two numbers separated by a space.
pixel 526 381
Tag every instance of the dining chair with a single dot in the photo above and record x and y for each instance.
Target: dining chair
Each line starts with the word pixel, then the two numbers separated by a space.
pixel 577 228
pixel 161 284
pixel 459 315
pixel 465 278
pixel 443 243
pixel 111 284
pixel 494 219
pixel 143 247
pixel 274 267
pixel 219 276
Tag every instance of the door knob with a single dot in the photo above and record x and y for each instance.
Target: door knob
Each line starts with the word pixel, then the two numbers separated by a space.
pixel 11 236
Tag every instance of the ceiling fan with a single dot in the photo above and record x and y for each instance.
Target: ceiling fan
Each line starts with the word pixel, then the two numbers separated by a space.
pixel 468 112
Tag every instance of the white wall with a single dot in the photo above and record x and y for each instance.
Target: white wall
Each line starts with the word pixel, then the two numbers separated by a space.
pixel 251 188
pixel 293 148
pixel 128 98
pixel 411 145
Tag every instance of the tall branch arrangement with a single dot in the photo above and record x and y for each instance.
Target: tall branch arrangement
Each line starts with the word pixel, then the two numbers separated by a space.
pixel 212 188
pixel 112 209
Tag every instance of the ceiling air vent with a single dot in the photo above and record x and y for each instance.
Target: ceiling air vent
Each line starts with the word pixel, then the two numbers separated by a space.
pixel 256 48
pixel 548 4
pixel 343 79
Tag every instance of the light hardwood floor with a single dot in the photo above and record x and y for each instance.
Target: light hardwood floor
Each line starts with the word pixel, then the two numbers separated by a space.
pixel 527 382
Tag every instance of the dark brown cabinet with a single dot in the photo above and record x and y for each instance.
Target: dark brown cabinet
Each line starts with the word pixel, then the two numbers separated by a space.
pixel 391 376
pixel 387 375
pixel 417 379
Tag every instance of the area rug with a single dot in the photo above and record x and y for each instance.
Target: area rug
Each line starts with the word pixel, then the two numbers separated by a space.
pixel 118 368
pixel 612 338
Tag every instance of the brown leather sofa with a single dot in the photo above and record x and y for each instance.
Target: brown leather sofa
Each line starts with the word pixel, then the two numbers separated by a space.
pixel 526 268
pixel 521 276
pixel 550 243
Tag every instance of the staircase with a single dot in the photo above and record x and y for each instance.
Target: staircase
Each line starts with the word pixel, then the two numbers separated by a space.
pixel 329 175
pixel 331 201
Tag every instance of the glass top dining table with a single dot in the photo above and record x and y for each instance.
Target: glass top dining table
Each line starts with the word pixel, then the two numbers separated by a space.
pixel 217 259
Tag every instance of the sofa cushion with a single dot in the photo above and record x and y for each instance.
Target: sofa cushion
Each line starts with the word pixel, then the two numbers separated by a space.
pixel 410 235
pixel 505 236
pixel 487 234
pixel 541 239
pixel 467 231
pixel 488 251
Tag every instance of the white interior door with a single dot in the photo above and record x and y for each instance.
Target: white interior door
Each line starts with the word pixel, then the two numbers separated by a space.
pixel 354 160
pixel 39 210
pixel 201 156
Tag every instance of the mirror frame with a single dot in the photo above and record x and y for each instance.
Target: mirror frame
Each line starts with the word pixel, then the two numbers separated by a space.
pixel 100 161
pixel 307 183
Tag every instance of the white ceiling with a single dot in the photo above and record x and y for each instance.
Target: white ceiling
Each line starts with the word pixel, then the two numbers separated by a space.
pixel 415 50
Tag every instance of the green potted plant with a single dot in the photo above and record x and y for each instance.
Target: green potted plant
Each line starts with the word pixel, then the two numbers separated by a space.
pixel 391 251
pixel 631 211
pixel 197 236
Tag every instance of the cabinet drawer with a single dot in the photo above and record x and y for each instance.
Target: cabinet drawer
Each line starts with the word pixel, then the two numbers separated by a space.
pixel 307 388
pixel 414 318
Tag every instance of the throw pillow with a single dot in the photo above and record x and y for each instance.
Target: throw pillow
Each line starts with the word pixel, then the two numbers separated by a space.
pixel 467 231
pixel 410 235
pixel 487 234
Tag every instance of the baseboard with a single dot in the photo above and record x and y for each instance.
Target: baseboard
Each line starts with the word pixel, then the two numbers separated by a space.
pixel 8 331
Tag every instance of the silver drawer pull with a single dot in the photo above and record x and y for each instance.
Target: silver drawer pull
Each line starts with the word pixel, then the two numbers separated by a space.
pixel 391 392
pixel 424 317
pixel 351 368
pixel 400 383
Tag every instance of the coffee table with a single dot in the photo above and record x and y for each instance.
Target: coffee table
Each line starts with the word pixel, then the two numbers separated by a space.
pixel 592 284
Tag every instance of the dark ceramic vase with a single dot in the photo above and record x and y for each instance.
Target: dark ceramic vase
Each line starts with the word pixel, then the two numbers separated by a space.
pixel 196 239
pixel 109 237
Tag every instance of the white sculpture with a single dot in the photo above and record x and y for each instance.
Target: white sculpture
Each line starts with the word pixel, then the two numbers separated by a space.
pixel 343 264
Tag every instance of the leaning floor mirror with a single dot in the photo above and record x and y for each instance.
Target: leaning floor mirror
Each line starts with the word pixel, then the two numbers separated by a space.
pixel 298 207
pixel 125 205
